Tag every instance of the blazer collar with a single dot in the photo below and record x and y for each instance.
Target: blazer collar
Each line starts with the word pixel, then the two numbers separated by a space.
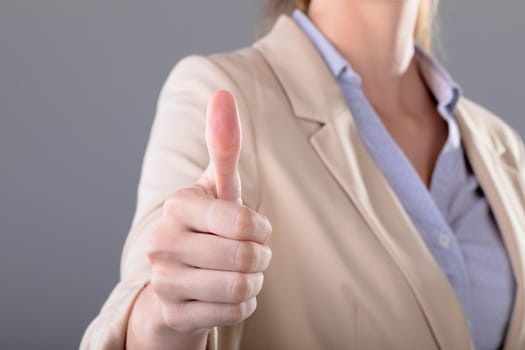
pixel 295 61
pixel 315 96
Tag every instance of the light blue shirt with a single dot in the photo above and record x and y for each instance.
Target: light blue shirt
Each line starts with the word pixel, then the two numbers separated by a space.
pixel 453 217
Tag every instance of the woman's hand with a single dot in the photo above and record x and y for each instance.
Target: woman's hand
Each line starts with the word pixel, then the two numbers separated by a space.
pixel 209 252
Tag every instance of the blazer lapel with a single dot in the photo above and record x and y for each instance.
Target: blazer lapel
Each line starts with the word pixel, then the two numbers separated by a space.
pixel 341 150
pixel 315 96
pixel 503 188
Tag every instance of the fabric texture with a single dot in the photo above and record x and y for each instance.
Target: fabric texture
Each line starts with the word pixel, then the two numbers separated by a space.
pixel 350 269
pixel 453 217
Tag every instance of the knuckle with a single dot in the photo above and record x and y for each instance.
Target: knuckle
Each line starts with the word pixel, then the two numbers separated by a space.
pixel 267 257
pixel 160 286
pixel 175 203
pixel 168 282
pixel 239 312
pixel 246 256
pixel 156 283
pixel 259 283
pixel 245 222
pixel 173 317
pixel 154 242
pixel 234 313
pixel 171 209
pixel 268 229
pixel 240 289
pixel 152 247
pixel 175 246
pixel 160 243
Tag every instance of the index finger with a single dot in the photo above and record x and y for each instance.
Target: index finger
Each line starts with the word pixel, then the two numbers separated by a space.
pixel 201 213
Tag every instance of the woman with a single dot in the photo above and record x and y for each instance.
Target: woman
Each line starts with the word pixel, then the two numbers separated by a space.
pixel 396 204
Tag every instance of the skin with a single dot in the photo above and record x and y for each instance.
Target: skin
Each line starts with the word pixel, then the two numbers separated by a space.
pixel 201 280
pixel 208 253
pixel 376 36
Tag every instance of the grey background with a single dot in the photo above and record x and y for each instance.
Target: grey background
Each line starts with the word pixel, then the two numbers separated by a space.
pixel 78 86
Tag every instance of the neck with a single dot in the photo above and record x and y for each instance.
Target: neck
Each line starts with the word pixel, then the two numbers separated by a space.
pixel 377 38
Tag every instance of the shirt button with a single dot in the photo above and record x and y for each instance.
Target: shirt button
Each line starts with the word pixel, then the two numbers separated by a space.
pixel 444 240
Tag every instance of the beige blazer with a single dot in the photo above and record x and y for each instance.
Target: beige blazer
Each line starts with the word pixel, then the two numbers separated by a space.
pixel 349 269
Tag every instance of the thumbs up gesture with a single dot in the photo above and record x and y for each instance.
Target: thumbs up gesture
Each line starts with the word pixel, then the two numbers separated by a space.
pixel 209 252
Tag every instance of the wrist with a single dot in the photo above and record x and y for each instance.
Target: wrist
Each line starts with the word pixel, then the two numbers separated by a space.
pixel 147 329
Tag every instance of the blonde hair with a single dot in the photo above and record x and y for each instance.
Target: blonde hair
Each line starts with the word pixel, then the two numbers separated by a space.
pixel 424 25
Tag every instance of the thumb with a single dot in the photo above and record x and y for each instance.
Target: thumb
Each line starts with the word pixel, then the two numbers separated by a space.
pixel 223 139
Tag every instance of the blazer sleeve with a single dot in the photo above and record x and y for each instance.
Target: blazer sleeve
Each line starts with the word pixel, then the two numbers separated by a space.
pixel 175 157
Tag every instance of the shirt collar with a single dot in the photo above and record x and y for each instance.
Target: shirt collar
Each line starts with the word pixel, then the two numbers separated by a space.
pixel 445 90
pixel 336 63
